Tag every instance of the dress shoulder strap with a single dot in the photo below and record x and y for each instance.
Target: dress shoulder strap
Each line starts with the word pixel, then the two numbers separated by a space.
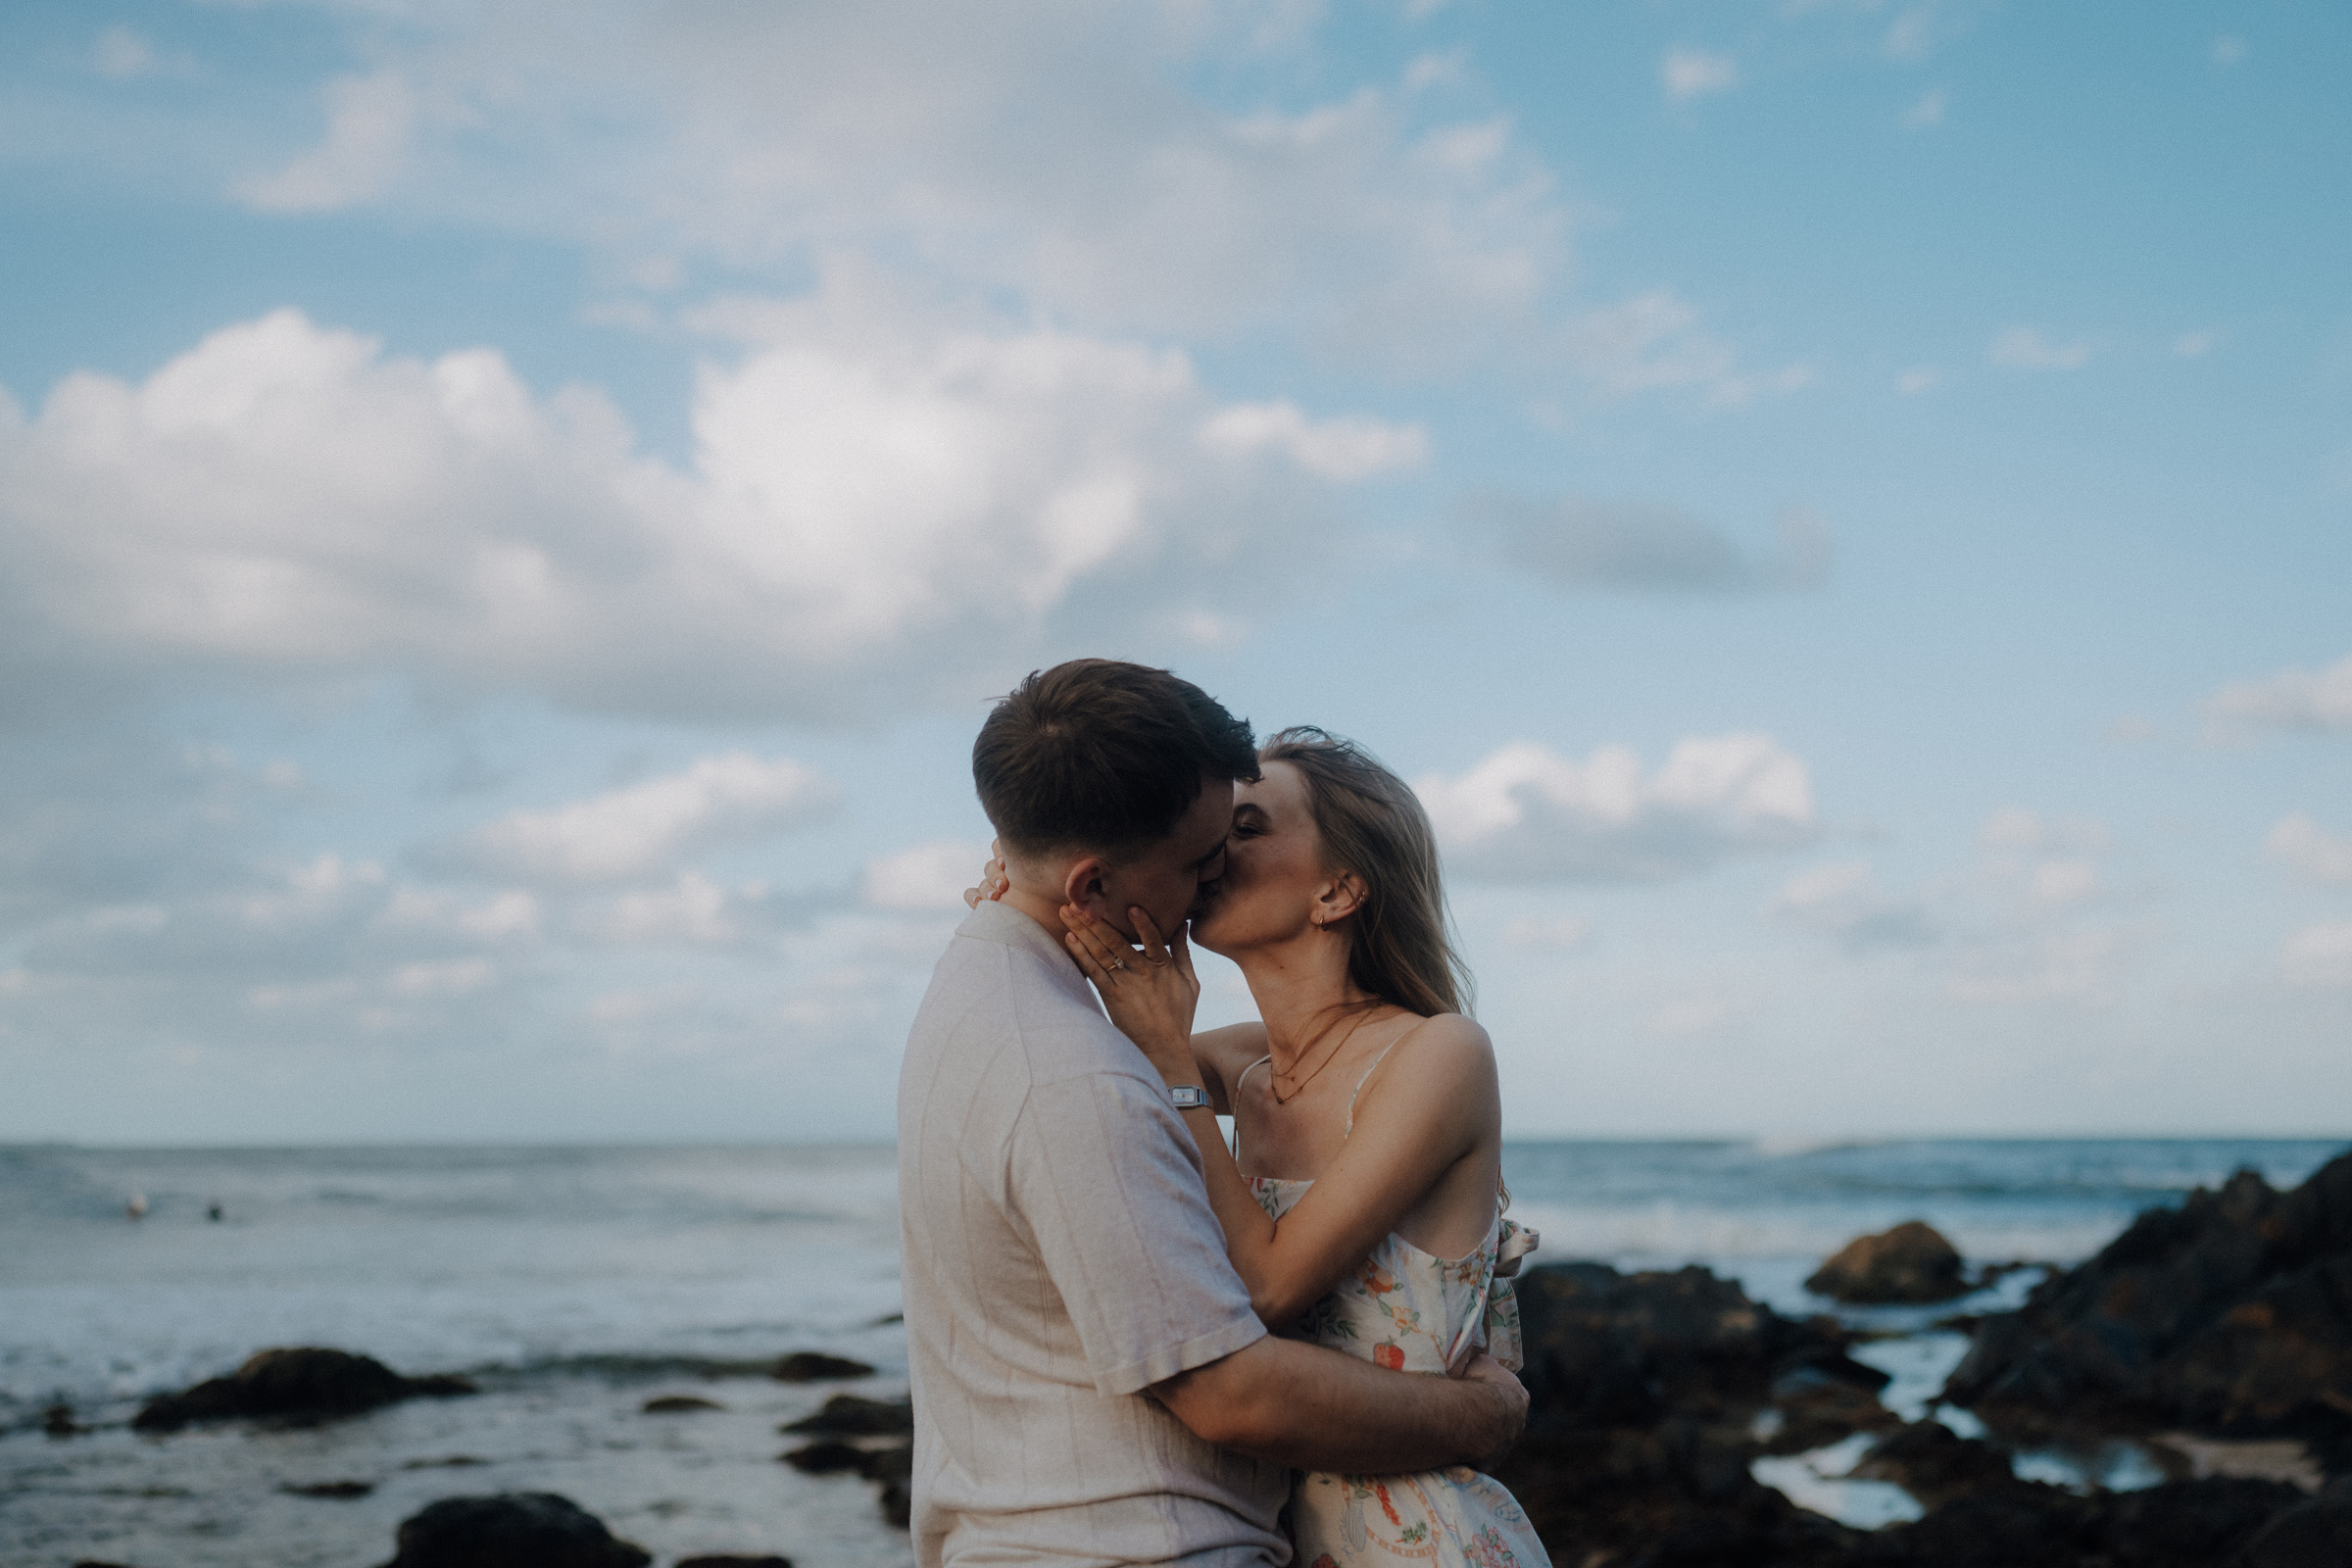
pixel 1369 1071
pixel 1232 1098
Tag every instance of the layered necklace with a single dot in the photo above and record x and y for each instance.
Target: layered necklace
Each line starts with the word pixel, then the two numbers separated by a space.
pixel 1298 1083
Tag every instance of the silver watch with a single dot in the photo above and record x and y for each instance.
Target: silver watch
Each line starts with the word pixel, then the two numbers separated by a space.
pixel 1189 1097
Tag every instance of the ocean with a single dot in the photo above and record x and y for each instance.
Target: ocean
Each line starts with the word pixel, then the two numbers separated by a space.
pixel 574 1284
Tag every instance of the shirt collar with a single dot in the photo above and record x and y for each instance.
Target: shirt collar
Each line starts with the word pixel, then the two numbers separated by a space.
pixel 991 921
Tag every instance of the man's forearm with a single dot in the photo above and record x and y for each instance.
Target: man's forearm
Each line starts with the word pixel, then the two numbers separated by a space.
pixel 1317 1409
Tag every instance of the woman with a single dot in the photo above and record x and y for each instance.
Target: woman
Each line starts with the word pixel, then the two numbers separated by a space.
pixel 1362 1200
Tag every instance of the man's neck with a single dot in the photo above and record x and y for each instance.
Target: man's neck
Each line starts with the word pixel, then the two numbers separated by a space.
pixel 1045 911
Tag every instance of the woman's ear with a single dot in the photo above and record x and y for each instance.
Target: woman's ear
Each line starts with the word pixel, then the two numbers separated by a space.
pixel 1341 898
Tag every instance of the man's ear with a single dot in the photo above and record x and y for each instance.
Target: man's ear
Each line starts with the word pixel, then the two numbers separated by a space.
pixel 1083 885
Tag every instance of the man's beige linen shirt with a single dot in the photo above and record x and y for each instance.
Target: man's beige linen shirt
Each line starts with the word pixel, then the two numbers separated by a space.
pixel 1061 1257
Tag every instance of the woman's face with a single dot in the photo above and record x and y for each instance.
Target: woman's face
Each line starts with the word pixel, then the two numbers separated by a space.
pixel 1273 868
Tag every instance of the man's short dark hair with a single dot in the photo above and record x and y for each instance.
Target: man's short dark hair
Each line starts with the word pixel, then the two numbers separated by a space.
pixel 1099 755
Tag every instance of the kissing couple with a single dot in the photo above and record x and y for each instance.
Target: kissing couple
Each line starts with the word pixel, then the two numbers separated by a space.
pixel 1127 1342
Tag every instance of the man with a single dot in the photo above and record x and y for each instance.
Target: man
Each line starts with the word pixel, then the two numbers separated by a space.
pixel 1090 1383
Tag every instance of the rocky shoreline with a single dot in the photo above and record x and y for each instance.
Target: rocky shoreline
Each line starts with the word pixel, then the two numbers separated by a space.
pixel 326 1401
pixel 2227 1321
pixel 1669 1410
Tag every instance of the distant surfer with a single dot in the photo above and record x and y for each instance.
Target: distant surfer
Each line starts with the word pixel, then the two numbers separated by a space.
pixel 136 1208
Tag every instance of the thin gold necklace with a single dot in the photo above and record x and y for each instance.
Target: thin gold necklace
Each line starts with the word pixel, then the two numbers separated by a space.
pixel 1274 1082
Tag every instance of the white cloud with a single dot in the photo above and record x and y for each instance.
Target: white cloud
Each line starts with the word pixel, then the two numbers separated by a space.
pixel 2026 348
pixel 1843 899
pixel 875 492
pixel 2055 884
pixel 1525 813
pixel 2229 50
pixel 2030 924
pixel 2026 926
pixel 1689 73
pixel 2318 957
pixel 2196 345
pixel 926 878
pixel 1447 69
pixel 2291 700
pixel 1926 110
pixel 643 830
pixel 2019 830
pixel 310 892
pixel 1653 342
pixel 2310 850
pixel 2074 964
pixel 1912 35
pixel 512 915
pixel 124 53
pixel 1342 451
pixel 1919 378
pixel 1028 147
pixel 370 121
pixel 692 910
pixel 452 977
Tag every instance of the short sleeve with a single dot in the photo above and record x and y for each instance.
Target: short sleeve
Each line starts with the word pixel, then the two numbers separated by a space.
pixel 1107 1182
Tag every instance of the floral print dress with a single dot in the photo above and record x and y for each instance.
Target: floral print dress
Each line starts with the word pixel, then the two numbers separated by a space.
pixel 1411 1312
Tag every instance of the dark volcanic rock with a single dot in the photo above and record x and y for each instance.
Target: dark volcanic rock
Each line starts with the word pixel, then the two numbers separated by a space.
pixel 678 1405
pixel 2018 1525
pixel 1911 1262
pixel 891 1465
pixel 2231 1314
pixel 1641 1388
pixel 1934 1463
pixel 341 1490
pixel 2308 1535
pixel 1674 1494
pixel 809 1366
pixel 846 1415
pixel 826 1459
pixel 511 1530
pixel 58 1421
pixel 2190 1523
pixel 1821 1402
pixel 732 1562
pixel 1609 1350
pixel 294 1382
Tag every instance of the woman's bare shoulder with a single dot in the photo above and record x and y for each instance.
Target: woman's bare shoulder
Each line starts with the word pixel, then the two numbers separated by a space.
pixel 1449 1037
pixel 1437 1055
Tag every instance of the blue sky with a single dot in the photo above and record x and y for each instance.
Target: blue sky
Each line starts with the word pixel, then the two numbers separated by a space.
pixel 508 524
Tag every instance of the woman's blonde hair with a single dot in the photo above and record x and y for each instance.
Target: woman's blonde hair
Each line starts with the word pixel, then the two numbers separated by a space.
pixel 1402 949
